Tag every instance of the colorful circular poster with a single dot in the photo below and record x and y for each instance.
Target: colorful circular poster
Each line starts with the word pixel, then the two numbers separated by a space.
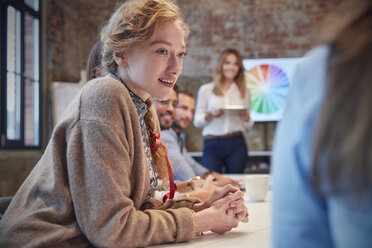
pixel 268 85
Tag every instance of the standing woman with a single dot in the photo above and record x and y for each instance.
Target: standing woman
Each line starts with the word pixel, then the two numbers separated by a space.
pixel 224 143
pixel 94 184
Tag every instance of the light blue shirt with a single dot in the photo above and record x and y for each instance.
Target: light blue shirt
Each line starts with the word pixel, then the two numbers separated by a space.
pixel 300 216
pixel 183 165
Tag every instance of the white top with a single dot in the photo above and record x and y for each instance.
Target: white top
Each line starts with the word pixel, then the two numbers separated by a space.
pixel 229 122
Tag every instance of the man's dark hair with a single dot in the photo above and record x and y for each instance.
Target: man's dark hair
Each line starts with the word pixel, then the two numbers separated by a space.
pixel 186 92
pixel 175 88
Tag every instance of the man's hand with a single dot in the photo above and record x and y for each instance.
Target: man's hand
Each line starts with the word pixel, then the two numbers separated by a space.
pixel 214 195
pixel 225 180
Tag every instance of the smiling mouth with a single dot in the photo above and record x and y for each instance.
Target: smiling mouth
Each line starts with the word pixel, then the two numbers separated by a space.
pixel 166 81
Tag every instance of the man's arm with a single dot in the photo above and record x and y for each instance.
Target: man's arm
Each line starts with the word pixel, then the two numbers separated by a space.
pixel 199 169
pixel 181 169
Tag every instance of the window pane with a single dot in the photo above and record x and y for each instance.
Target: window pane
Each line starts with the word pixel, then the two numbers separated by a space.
pixel 33 4
pixel 13 85
pixel 31 112
pixel 31 47
pixel 14 41
pixel 31 69
pixel 13 129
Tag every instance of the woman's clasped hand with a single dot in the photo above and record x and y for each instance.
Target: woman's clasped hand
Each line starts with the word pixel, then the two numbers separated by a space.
pixel 222 211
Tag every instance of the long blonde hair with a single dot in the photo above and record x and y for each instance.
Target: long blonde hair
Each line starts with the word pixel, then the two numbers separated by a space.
pixel 133 23
pixel 218 74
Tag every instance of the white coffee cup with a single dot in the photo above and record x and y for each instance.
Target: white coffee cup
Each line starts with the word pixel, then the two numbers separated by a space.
pixel 257 187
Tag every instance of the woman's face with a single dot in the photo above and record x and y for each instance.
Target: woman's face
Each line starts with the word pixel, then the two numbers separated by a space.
pixel 153 68
pixel 230 67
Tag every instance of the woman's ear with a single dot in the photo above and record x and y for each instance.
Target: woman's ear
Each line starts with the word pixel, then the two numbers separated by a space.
pixel 120 59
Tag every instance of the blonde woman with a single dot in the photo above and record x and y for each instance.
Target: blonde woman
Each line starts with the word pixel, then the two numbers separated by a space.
pixel 222 110
pixel 95 182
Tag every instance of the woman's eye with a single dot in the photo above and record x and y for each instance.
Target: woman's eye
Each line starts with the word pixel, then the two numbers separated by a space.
pixel 182 55
pixel 162 51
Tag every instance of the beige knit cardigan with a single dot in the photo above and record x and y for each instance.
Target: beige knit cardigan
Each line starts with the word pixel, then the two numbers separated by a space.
pixel 89 186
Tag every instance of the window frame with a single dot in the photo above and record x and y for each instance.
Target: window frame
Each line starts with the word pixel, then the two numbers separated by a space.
pixel 21 6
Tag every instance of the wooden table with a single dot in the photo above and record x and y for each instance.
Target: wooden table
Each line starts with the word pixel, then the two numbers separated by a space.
pixel 255 233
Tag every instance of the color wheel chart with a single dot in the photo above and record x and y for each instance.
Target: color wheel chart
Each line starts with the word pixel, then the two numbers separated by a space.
pixel 268 81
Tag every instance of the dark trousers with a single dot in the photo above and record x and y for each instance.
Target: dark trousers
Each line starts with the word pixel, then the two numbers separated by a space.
pixel 231 152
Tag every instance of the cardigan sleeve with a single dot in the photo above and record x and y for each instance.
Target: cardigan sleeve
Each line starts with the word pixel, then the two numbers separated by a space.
pixel 106 179
pixel 174 204
pixel 100 188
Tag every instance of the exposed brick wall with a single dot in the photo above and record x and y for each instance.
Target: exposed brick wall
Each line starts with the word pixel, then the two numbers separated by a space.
pixel 257 28
pixel 72 30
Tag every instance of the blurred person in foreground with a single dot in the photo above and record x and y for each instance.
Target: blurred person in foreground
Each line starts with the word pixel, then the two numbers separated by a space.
pixel 322 162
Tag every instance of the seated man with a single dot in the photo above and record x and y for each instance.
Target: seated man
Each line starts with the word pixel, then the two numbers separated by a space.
pixel 166 110
pixel 184 166
pixel 194 188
